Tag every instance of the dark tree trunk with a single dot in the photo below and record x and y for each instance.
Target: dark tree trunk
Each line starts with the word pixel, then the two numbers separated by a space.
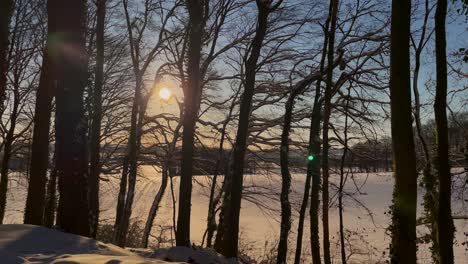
pixel 285 226
pixel 35 201
pixel 326 120
pixel 403 245
pixel 134 150
pixel 6 11
pixel 121 198
pixel 214 201
pixel 444 219
pixel 70 119
pixel 95 141
pixel 7 152
pixel 343 181
pixel 120 234
pixel 227 237
pixel 313 167
pixel 313 171
pixel 192 95
pixel 429 181
pixel 155 206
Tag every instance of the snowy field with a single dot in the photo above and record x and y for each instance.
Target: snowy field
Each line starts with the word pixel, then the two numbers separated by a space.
pixel 366 213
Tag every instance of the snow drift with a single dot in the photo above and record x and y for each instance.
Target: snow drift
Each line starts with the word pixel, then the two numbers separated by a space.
pixel 35 244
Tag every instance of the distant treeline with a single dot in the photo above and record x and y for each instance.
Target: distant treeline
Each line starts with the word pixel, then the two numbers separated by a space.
pixel 373 155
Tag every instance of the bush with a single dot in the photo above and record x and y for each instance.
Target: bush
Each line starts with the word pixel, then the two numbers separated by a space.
pixel 134 235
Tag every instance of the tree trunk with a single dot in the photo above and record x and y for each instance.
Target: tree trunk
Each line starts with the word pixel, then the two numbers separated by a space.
pixel 313 167
pixel 403 244
pixel 35 201
pixel 70 119
pixel 444 219
pixel 429 181
pixel 296 90
pixel 51 200
pixel 95 141
pixel 227 237
pixel 7 152
pixel 313 171
pixel 285 226
pixel 213 202
pixel 343 181
pixel 326 120
pixel 6 11
pixel 129 169
pixel 155 206
pixel 134 150
pixel 192 95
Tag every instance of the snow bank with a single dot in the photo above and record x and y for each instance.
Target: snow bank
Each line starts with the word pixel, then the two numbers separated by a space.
pixel 35 244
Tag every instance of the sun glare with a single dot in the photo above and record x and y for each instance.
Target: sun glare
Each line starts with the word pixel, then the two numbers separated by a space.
pixel 165 93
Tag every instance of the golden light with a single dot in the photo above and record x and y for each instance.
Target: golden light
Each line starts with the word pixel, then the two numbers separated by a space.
pixel 165 93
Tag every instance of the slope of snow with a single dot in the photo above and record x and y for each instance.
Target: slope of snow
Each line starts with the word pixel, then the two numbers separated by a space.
pixel 35 244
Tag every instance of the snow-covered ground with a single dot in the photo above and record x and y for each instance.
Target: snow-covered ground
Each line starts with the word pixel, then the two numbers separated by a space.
pixel 33 244
pixel 365 228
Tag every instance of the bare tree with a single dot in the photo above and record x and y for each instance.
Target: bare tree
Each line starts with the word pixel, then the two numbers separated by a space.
pixel 136 28
pixel 444 215
pixel 403 245
pixel 228 232
pixel 326 119
pixel 95 138
pixel 197 10
pixel 70 130
pixel 26 41
pixel 429 181
pixel 35 202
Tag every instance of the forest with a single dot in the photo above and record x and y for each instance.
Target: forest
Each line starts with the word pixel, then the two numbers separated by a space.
pixel 234 131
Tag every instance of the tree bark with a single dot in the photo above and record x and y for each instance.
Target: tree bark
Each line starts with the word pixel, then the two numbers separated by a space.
pixel 70 119
pixel 192 95
pixel 444 219
pixel 95 140
pixel 403 244
pixel 326 119
pixel 35 201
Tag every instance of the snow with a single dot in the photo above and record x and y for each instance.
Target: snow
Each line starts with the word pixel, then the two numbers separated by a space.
pixel 368 236
pixel 35 244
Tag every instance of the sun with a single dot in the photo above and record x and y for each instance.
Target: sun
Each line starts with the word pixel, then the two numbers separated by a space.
pixel 165 93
